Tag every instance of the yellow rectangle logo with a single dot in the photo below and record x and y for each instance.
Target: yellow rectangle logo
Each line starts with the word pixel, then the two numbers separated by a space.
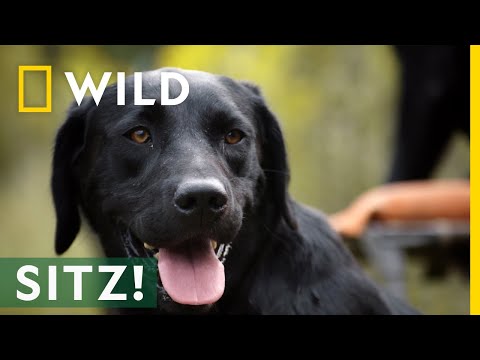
pixel 21 82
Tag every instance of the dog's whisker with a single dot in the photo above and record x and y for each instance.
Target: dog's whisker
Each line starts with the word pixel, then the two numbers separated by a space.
pixel 276 171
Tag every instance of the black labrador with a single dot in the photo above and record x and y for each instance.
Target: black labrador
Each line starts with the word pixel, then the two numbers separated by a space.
pixel 202 186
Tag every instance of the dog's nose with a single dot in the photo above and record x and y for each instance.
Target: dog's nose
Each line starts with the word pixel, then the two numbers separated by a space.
pixel 207 197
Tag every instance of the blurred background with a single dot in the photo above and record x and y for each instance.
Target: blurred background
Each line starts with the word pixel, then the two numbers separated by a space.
pixel 337 106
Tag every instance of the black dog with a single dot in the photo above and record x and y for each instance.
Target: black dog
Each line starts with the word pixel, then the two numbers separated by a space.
pixel 185 179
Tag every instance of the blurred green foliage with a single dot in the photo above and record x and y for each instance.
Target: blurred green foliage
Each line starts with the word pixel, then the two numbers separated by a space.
pixel 336 104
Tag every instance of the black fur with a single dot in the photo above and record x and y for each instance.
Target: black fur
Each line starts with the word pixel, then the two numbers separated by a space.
pixel 285 258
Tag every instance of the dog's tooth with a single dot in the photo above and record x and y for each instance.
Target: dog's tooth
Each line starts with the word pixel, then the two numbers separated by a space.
pixel 214 244
pixel 156 255
pixel 149 247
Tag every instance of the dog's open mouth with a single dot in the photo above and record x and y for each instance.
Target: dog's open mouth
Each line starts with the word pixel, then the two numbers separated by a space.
pixel 191 273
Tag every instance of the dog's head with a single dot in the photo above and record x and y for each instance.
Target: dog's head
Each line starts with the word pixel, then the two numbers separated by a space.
pixel 176 178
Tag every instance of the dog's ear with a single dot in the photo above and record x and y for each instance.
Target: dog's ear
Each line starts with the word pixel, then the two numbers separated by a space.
pixel 69 142
pixel 274 159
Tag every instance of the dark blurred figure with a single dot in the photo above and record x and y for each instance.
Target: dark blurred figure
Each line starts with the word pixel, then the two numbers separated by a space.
pixel 434 104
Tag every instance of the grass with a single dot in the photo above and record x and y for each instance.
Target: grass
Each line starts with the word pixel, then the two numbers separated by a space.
pixel 444 296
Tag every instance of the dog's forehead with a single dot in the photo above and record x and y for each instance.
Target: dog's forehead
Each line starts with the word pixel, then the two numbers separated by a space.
pixel 208 92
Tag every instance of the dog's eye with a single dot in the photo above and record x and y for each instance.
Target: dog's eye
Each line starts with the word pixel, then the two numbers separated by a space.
pixel 140 135
pixel 234 136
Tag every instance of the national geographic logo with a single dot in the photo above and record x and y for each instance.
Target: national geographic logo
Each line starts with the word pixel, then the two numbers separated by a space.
pixel 97 91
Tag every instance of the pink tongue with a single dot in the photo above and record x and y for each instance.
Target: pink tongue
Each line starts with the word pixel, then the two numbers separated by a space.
pixel 192 274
